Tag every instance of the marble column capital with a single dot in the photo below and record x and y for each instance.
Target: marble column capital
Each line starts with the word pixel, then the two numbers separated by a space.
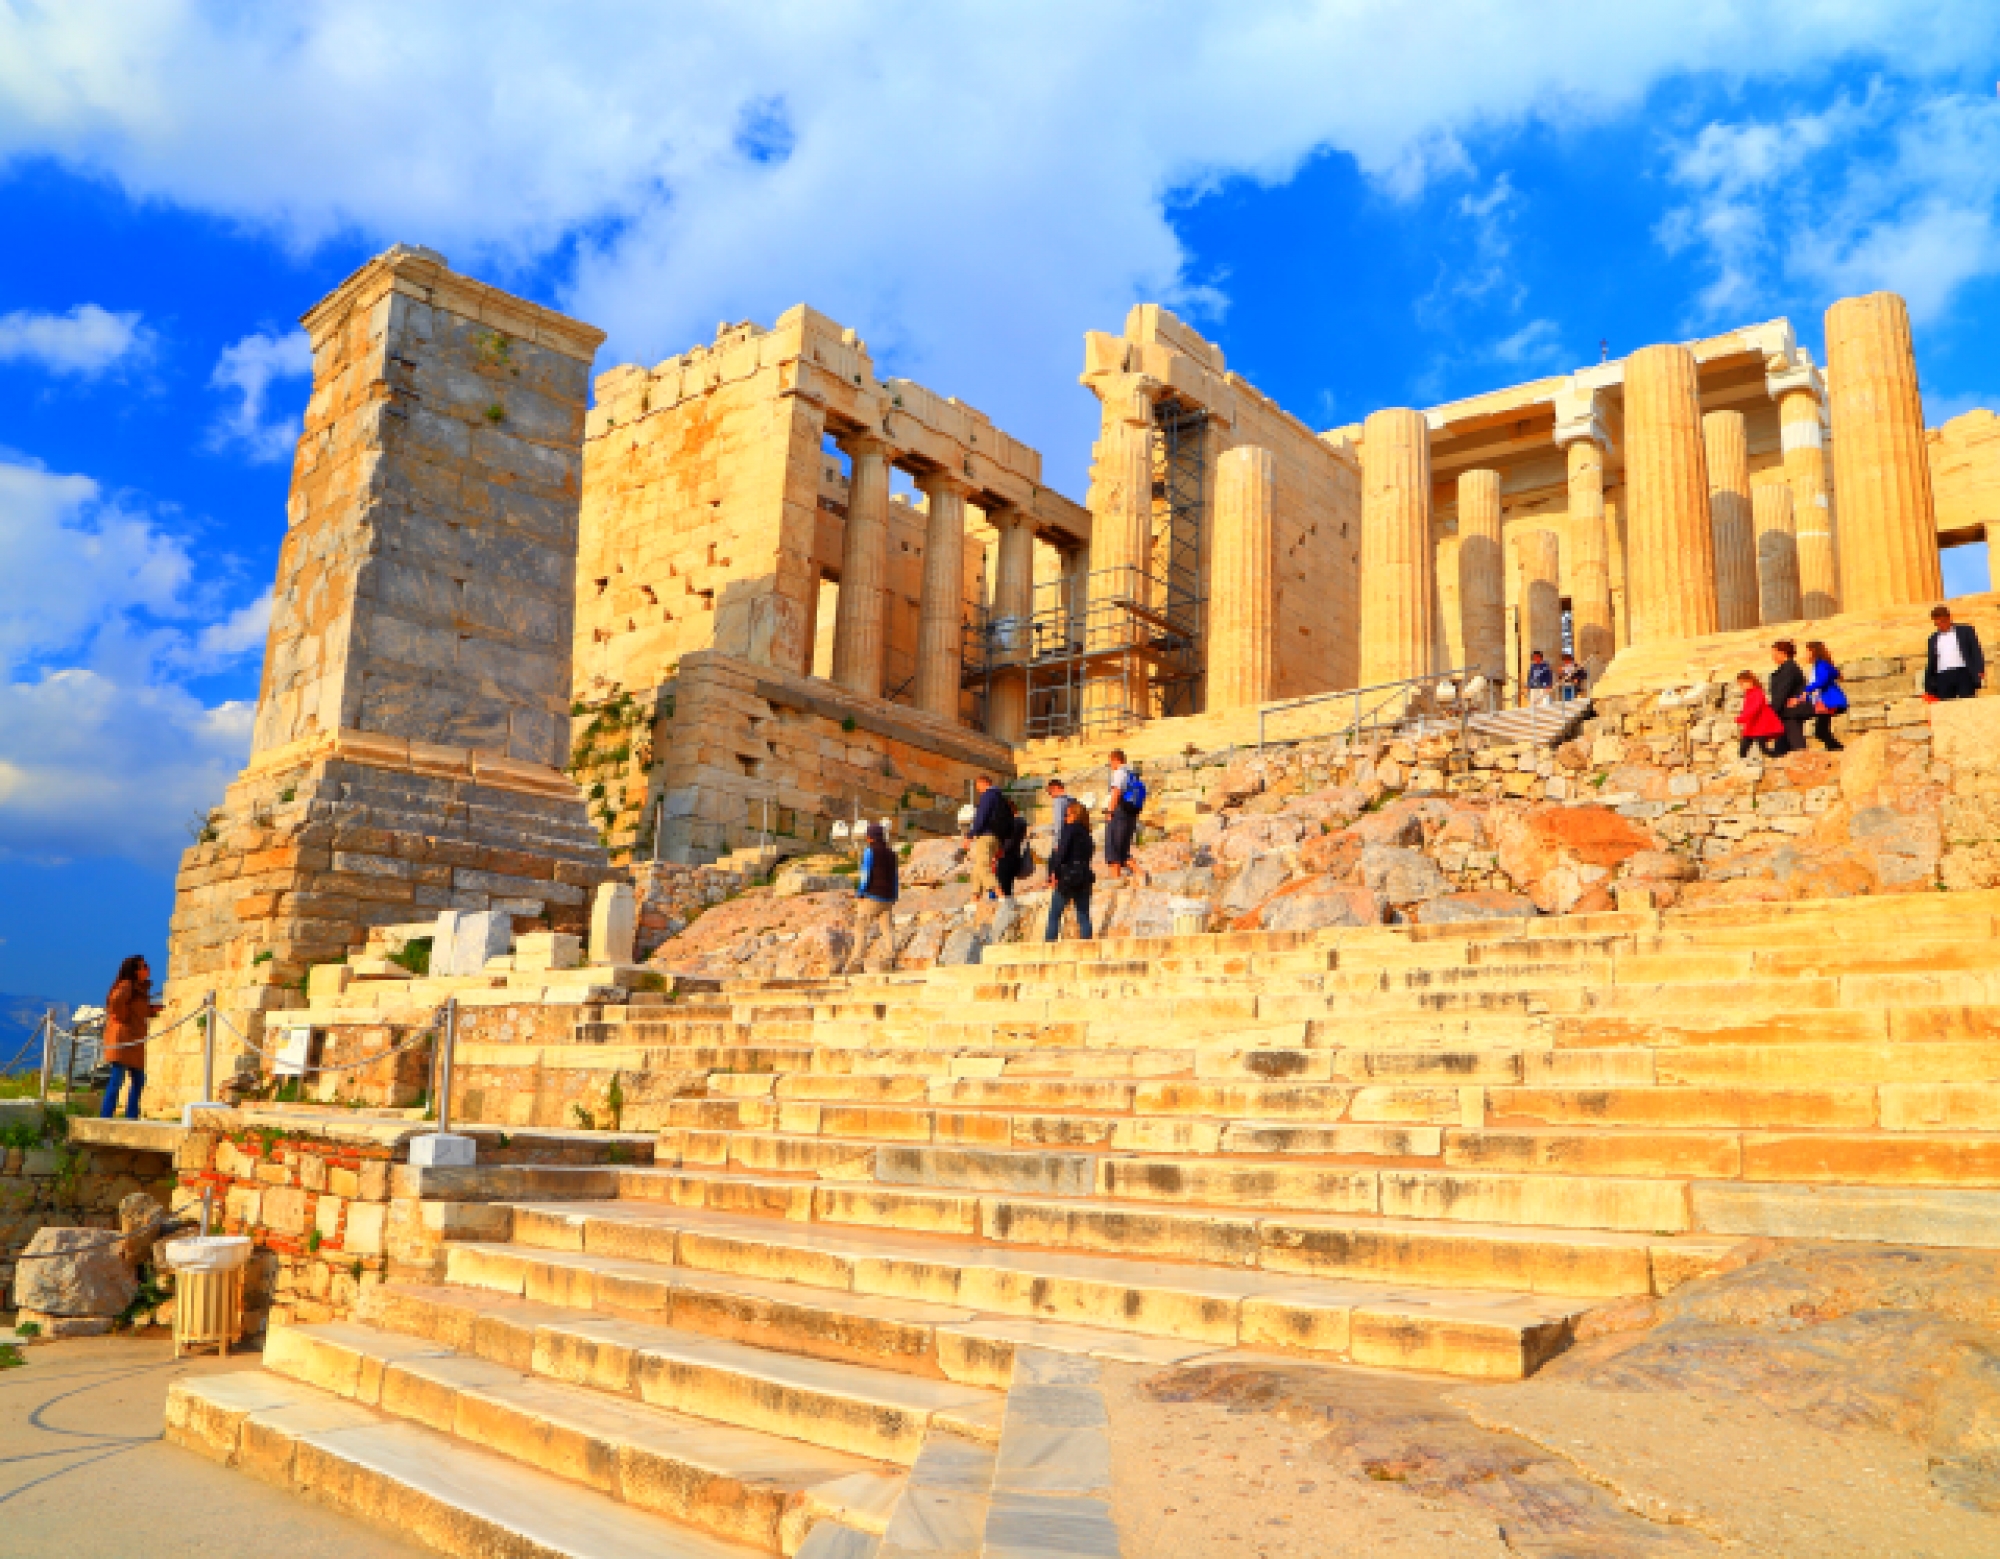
pixel 1783 375
pixel 940 483
pixel 1580 418
pixel 857 445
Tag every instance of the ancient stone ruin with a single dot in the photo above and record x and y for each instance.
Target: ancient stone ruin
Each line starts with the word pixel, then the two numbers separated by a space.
pixel 1438 1029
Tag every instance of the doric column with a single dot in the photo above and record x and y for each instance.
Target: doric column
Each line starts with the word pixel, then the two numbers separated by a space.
pixel 1881 470
pixel 1670 550
pixel 864 565
pixel 1581 434
pixel 1726 446
pixel 941 615
pixel 1482 577
pixel 1008 630
pixel 1802 427
pixel 1540 554
pixel 1396 555
pixel 1242 625
pixel 1121 539
pixel 1772 513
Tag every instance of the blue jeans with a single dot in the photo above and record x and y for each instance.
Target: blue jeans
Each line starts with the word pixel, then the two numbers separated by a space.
pixel 118 1076
pixel 1058 901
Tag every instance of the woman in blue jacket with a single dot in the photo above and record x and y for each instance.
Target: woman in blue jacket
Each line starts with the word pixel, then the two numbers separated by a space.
pixel 875 894
pixel 1820 702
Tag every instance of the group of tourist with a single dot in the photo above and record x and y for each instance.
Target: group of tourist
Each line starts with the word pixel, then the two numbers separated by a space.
pixel 1774 715
pixel 1545 682
pixel 999 857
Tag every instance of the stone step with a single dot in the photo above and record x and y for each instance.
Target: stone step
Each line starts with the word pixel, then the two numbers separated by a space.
pixel 1485 1333
pixel 733 1483
pixel 878 1414
pixel 452 1497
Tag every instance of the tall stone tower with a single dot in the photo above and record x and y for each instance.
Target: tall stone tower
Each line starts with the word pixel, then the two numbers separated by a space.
pixel 413 718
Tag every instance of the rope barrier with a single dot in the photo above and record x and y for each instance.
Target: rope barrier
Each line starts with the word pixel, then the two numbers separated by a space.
pixel 348 1066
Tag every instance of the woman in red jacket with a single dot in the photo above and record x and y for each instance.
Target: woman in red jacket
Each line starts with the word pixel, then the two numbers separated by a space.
pixel 1757 720
pixel 128 1012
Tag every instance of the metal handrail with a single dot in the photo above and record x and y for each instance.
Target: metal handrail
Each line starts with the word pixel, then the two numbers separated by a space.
pixel 1395 694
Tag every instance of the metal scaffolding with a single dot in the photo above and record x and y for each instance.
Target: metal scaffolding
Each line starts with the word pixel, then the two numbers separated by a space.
pixel 1180 488
pixel 1097 653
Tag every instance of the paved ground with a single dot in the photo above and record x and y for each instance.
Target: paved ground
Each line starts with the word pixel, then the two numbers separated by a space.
pixel 84 1473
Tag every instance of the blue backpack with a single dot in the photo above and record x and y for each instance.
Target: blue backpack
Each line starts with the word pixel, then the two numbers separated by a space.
pixel 1135 794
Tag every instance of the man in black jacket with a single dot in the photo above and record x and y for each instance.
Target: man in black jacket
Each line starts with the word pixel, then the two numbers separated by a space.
pixel 1786 687
pixel 1956 667
pixel 992 824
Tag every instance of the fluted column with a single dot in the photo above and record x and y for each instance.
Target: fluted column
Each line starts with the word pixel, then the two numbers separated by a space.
pixel 1007 639
pixel 1726 447
pixel 1804 435
pixel 1396 555
pixel 864 566
pixel 1670 549
pixel 1482 578
pixel 1772 514
pixel 1121 539
pixel 1590 616
pixel 941 613
pixel 1242 625
pixel 1881 470
pixel 1540 555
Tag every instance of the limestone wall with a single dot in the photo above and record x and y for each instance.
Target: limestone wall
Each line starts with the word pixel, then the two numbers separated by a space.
pixel 1316 542
pixel 732 736
pixel 424 583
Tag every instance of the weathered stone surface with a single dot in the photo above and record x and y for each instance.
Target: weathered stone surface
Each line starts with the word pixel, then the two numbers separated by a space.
pixel 74 1273
pixel 1455 908
pixel 1401 876
pixel 1310 903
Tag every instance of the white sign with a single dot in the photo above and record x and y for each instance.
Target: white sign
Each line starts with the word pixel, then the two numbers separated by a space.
pixel 294 1052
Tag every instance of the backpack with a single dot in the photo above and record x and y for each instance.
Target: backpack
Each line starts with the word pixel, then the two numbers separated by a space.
pixel 1135 793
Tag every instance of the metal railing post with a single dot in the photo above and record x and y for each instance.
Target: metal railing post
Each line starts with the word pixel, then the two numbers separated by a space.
pixel 444 1085
pixel 208 1048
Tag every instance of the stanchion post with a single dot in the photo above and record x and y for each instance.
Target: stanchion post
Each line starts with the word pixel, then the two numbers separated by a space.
pixel 444 1087
pixel 208 1048
pixel 48 1051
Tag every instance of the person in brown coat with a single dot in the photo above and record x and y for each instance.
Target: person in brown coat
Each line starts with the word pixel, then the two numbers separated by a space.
pixel 128 1012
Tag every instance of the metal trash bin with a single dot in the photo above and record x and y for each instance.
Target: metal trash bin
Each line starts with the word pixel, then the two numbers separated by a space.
pixel 208 1290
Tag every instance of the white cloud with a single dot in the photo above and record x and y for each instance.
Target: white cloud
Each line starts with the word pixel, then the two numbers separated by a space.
pixel 86 341
pixel 1536 345
pixel 1895 190
pixel 969 186
pixel 104 750
pixel 249 368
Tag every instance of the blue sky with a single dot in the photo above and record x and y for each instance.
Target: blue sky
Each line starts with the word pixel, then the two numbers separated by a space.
pixel 1365 203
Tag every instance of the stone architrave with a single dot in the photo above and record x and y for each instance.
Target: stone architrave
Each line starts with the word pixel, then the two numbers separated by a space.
pixel 1540 554
pixel 940 628
pixel 614 923
pixel 1669 544
pixel 864 565
pixel 1009 628
pixel 413 719
pixel 1726 448
pixel 1881 469
pixel 1397 557
pixel 1482 576
pixel 1777 553
pixel 1241 620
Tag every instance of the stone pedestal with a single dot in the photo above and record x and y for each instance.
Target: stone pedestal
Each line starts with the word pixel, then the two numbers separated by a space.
pixel 1397 558
pixel 864 563
pixel 1777 553
pixel 1008 629
pixel 1726 447
pixel 414 713
pixel 940 629
pixel 1881 472
pixel 1482 579
pixel 1540 554
pixel 614 923
pixel 1670 548
pixel 1591 619
pixel 1799 413
pixel 1241 621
